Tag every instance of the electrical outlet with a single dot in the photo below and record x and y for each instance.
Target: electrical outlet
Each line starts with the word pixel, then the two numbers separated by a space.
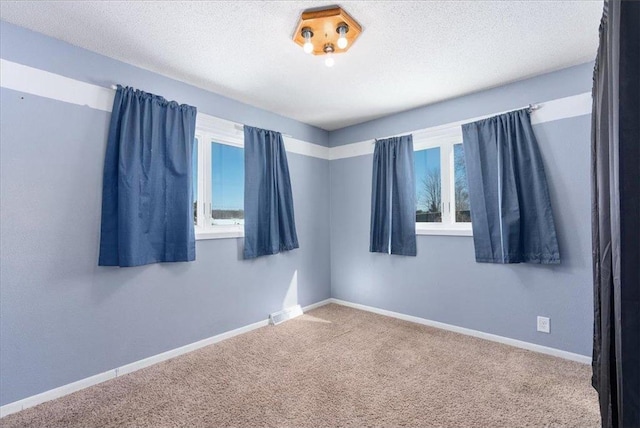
pixel 544 324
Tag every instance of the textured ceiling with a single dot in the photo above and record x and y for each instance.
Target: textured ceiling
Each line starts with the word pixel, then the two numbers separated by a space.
pixel 411 53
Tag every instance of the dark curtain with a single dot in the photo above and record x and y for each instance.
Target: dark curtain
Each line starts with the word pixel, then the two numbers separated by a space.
pixel 147 211
pixel 393 198
pixel 615 166
pixel 269 222
pixel 511 212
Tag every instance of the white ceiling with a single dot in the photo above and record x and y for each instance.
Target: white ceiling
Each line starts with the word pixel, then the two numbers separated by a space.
pixel 411 53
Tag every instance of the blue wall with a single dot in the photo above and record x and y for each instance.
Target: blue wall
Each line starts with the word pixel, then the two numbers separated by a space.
pixel 444 283
pixel 63 318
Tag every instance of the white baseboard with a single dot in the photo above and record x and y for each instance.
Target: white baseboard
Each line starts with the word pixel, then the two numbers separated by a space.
pixel 316 305
pixel 61 391
pixel 469 332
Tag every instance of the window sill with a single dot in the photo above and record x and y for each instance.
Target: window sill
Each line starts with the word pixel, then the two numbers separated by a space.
pixel 448 230
pixel 221 233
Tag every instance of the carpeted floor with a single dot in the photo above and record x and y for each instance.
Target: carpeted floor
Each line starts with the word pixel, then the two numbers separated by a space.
pixel 337 366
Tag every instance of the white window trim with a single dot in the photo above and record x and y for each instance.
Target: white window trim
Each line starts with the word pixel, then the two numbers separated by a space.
pixel 213 130
pixel 220 232
pixel 459 229
pixel 444 138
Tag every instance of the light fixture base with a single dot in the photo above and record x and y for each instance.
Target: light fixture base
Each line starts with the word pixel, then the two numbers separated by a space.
pixel 324 24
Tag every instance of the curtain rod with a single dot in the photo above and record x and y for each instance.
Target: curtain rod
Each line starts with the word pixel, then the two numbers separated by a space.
pixel 530 107
pixel 238 126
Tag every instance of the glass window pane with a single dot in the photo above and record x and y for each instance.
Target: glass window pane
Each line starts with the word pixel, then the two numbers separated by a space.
pixel 227 184
pixel 428 186
pixel 463 213
pixel 194 181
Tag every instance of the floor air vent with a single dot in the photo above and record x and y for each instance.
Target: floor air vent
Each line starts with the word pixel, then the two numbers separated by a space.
pixel 285 314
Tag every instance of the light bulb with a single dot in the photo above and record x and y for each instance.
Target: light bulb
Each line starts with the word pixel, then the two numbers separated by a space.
pixel 329 61
pixel 307 34
pixel 308 47
pixel 342 42
pixel 328 50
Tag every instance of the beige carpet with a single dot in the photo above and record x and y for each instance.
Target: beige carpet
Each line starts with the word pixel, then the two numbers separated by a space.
pixel 337 366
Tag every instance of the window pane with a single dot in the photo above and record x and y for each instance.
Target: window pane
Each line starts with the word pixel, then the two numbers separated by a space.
pixel 227 184
pixel 428 186
pixel 463 213
pixel 194 181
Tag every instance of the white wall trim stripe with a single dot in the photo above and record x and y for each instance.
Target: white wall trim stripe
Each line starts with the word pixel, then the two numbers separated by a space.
pixel 469 332
pixel 351 150
pixel 54 86
pixel 561 108
pixel 304 148
pixel 42 83
pixel 61 391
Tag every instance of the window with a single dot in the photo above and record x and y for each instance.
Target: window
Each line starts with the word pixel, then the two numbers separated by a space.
pixel 428 186
pixel 218 180
pixel 442 191
pixel 227 184
pixel 461 196
pixel 194 181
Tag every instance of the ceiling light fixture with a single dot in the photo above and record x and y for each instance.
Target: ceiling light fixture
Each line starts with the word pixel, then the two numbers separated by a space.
pixel 326 32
